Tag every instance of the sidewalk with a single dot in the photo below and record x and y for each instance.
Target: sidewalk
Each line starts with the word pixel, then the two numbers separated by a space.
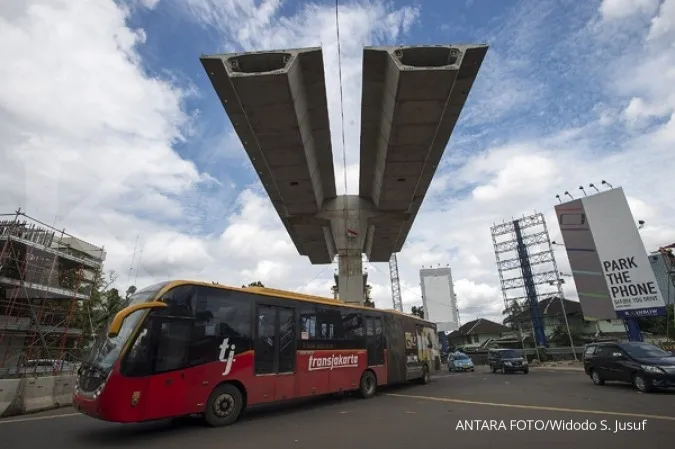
pixel 560 366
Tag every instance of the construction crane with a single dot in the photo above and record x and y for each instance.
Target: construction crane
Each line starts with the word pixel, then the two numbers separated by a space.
pixel 395 283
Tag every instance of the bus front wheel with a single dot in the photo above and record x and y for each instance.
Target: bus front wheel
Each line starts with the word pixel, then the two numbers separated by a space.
pixel 224 406
pixel 368 385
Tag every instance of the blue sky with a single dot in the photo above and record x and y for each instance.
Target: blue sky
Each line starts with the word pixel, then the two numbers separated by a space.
pixel 113 131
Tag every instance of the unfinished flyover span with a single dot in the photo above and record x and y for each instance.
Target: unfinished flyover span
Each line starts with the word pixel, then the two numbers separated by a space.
pixel 412 97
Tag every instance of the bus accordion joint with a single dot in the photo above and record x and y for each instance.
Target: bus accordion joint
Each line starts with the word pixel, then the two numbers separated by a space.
pixel 116 324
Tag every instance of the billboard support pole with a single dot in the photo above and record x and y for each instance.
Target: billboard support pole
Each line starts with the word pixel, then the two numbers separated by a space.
pixel 530 289
pixel 633 329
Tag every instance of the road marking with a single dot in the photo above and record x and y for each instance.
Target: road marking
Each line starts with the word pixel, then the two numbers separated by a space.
pixel 39 418
pixel 534 407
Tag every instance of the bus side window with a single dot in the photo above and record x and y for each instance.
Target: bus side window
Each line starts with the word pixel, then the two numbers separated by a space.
pixel 172 346
pixel 219 314
pixel 352 326
pixel 329 324
pixel 308 323
pixel 181 301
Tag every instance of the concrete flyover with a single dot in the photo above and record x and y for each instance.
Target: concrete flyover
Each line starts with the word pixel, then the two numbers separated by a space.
pixel 411 100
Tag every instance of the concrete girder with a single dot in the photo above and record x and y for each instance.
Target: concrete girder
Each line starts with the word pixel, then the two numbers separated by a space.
pixel 412 98
pixel 277 104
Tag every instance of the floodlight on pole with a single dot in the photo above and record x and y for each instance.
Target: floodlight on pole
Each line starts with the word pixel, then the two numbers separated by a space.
pixel 605 183
pixel 568 194
pixel 591 185
pixel 582 189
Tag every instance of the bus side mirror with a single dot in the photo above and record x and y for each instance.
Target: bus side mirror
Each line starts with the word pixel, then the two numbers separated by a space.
pixel 116 324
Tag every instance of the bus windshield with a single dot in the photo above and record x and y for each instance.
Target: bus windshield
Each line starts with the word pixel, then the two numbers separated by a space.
pixel 106 350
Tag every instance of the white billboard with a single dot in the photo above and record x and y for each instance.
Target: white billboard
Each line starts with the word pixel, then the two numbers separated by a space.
pixel 438 296
pixel 626 268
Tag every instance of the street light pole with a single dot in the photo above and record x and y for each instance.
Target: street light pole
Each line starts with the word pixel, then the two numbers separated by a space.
pixel 561 295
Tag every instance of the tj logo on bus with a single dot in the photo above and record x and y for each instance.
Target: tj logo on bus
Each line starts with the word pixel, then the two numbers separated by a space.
pixel 227 355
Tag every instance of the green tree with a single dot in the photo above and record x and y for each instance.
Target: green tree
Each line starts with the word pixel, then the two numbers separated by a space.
pixel 658 325
pixel 104 302
pixel 254 284
pixel 130 292
pixel 513 309
pixel 560 337
pixel 367 298
pixel 418 311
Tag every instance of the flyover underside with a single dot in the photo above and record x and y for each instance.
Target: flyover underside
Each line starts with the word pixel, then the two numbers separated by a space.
pixel 277 104
pixel 412 99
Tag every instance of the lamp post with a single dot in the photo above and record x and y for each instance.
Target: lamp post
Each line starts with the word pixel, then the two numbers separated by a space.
pixel 558 283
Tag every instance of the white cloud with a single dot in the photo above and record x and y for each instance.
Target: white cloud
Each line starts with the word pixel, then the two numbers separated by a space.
pixel 88 137
pixel 621 9
pixel 77 110
pixel 253 26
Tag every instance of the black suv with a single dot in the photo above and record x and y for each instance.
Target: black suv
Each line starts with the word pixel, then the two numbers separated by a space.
pixel 507 360
pixel 642 364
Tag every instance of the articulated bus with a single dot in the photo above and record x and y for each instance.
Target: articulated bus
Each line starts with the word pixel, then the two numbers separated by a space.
pixel 184 348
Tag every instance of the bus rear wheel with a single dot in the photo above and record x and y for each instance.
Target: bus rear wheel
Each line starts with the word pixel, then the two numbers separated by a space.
pixel 368 385
pixel 224 406
pixel 426 376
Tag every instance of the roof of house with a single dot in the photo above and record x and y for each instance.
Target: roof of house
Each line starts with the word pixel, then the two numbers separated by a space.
pixel 549 307
pixel 481 326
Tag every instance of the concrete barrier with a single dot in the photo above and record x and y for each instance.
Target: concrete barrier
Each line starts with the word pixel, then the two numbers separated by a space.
pixel 9 390
pixel 63 390
pixel 34 394
pixel 38 394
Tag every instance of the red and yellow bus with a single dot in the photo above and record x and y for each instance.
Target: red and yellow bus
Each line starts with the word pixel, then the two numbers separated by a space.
pixel 182 348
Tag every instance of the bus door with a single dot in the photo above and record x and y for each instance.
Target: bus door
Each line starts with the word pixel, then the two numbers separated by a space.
pixel 275 349
pixel 375 347
pixel 167 388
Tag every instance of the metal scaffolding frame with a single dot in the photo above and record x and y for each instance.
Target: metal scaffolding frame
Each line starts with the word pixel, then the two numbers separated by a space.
pixel 395 283
pixel 46 280
pixel 524 245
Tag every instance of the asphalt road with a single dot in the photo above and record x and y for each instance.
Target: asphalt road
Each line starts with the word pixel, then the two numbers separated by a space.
pixel 436 415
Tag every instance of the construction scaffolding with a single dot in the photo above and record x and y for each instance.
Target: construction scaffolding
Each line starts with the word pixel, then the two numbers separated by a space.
pixel 46 280
pixel 395 283
pixel 523 246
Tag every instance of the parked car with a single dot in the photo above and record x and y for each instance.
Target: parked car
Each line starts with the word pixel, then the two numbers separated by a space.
pixel 508 361
pixel 642 364
pixel 41 368
pixel 460 362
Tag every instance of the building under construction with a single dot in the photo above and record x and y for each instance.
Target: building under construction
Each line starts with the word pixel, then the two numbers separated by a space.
pixel 46 280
